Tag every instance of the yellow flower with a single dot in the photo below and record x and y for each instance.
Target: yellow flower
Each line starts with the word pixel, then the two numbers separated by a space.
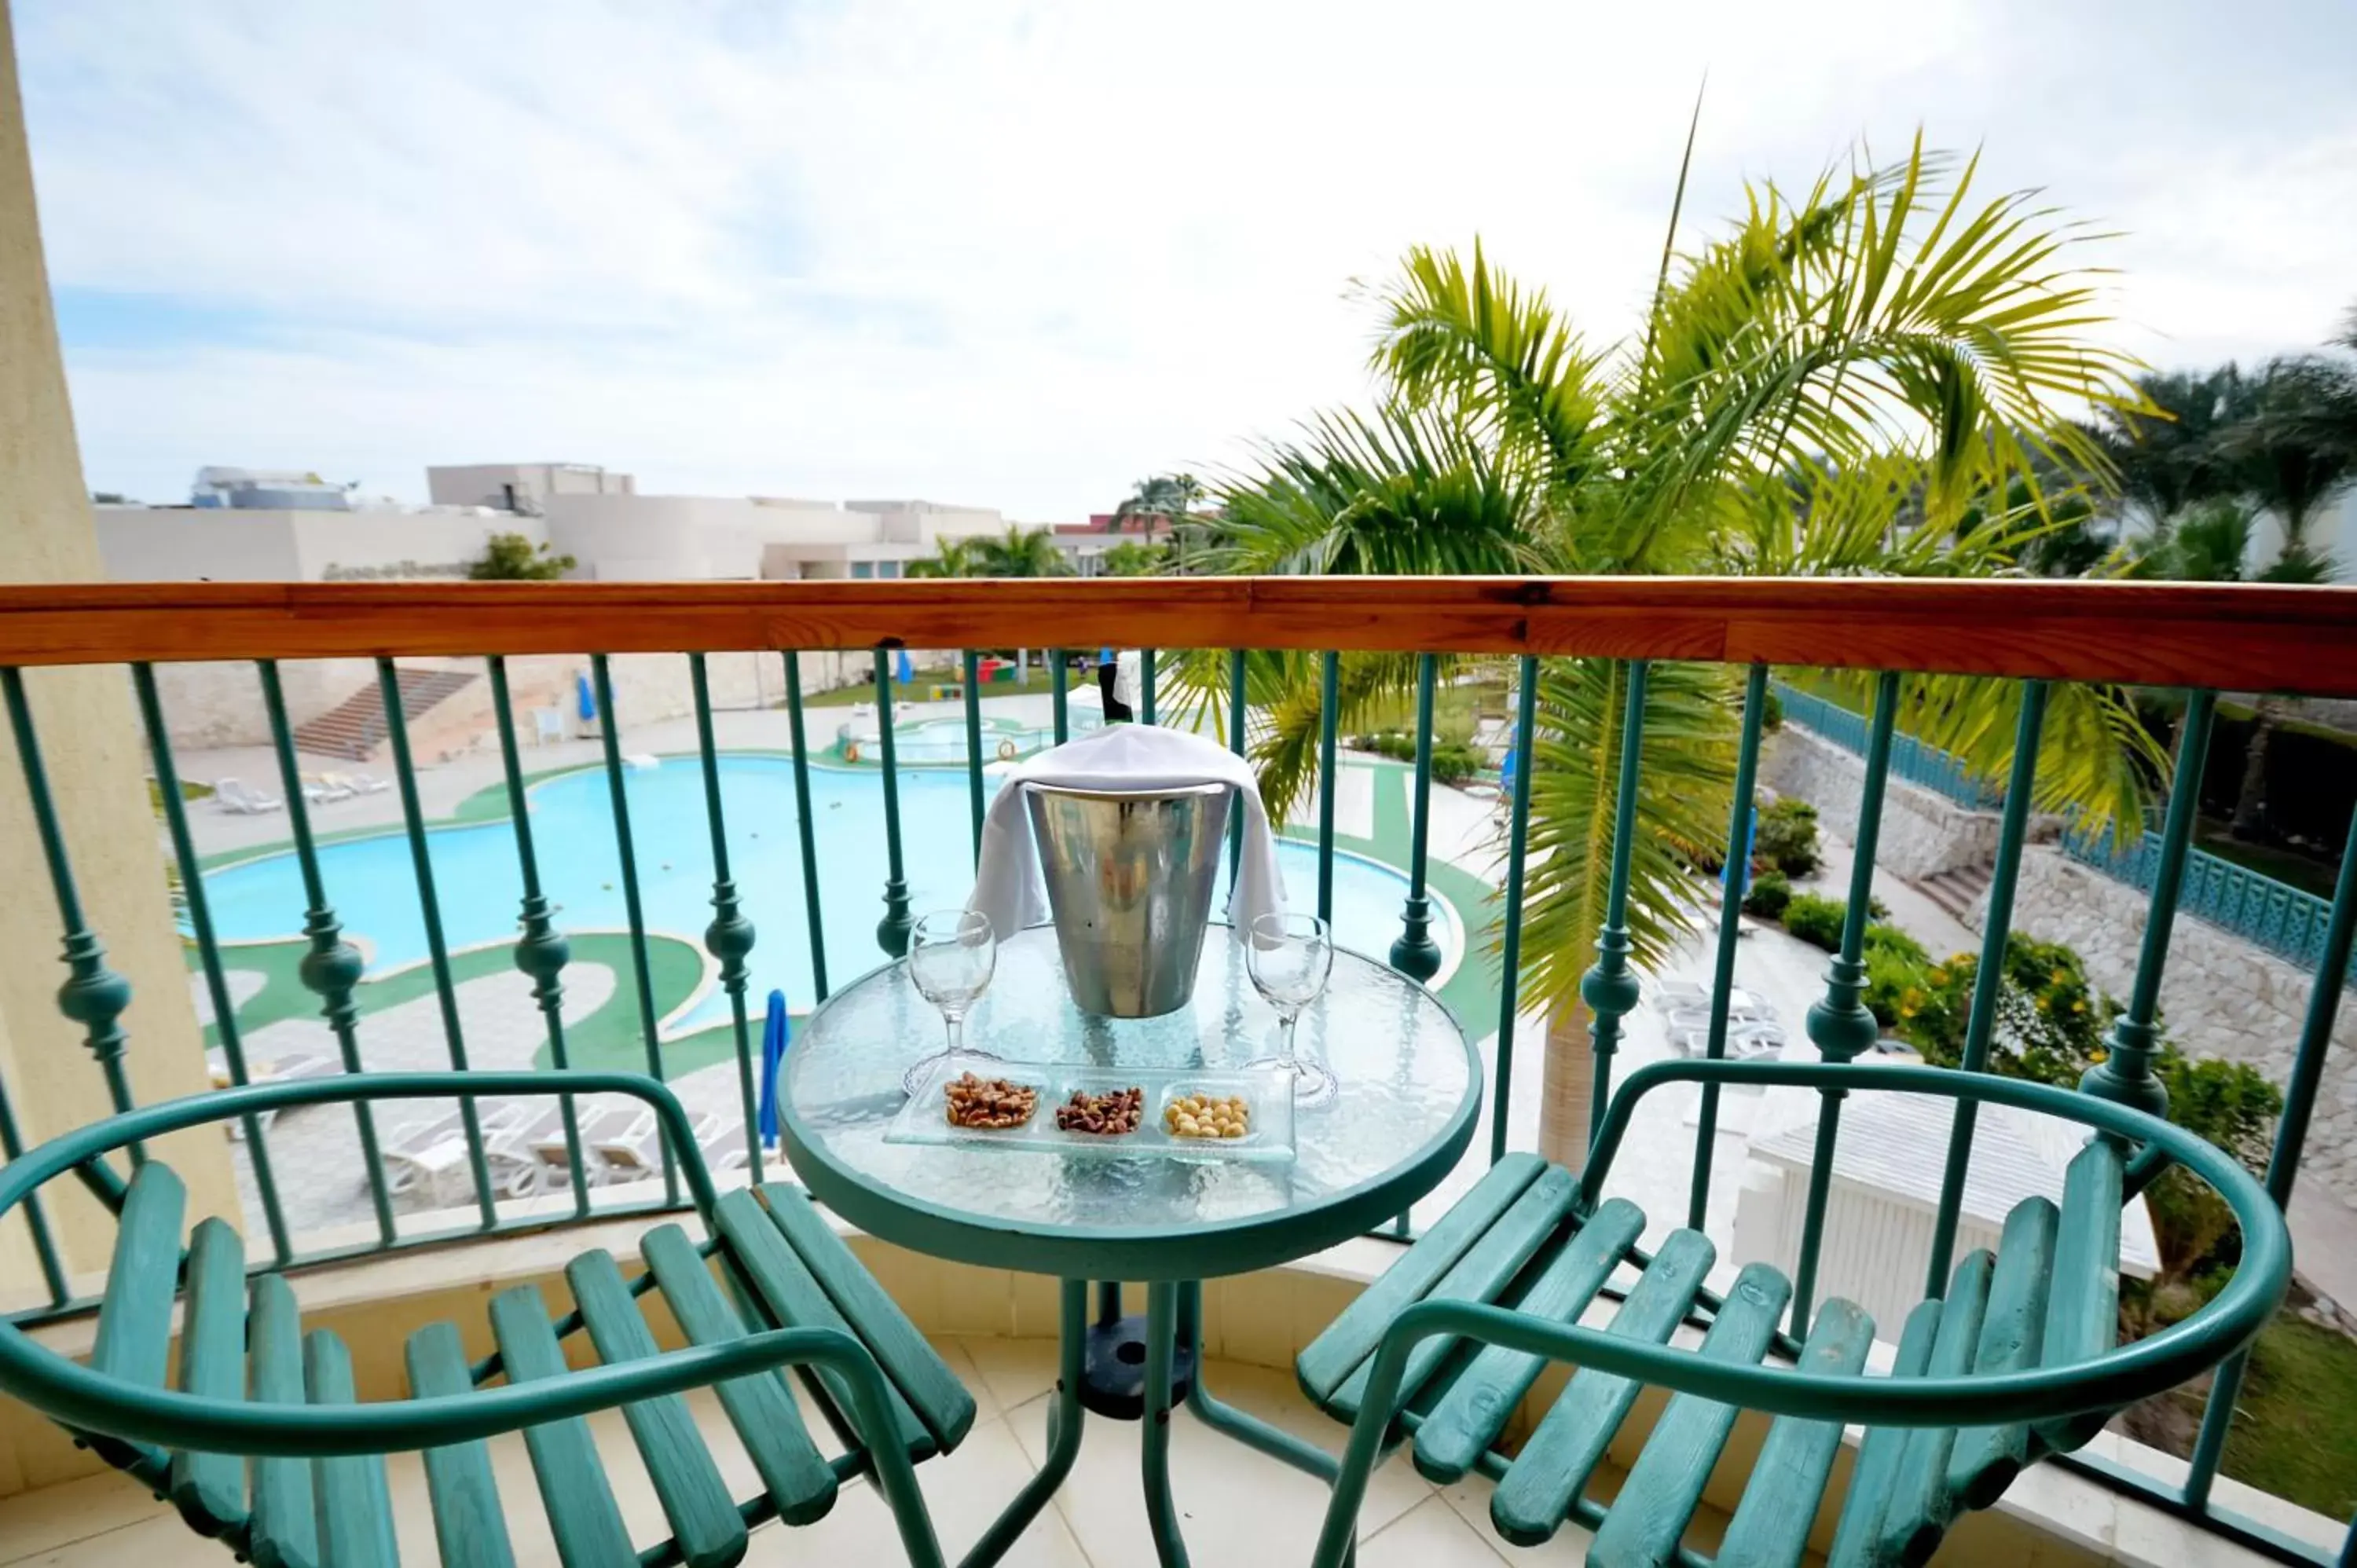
pixel 1938 977
pixel 1907 1011
pixel 2044 1005
pixel 2098 1054
pixel 2062 977
pixel 2080 1006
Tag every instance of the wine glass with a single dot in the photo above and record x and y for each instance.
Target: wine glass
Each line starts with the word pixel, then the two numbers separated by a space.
pixel 952 954
pixel 1289 957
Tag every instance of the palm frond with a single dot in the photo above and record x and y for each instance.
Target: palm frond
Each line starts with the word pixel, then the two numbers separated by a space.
pixel 1686 768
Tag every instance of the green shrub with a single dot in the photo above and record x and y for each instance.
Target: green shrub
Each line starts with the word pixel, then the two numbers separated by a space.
pixel 2049 1026
pixel 1895 972
pixel 1786 837
pixel 1454 762
pixel 1771 716
pixel 1769 893
pixel 1816 920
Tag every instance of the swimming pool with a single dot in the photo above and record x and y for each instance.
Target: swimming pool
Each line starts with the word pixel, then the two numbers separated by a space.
pixel 374 891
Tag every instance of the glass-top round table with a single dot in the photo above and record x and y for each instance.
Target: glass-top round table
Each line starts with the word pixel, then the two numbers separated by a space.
pixel 1409 1088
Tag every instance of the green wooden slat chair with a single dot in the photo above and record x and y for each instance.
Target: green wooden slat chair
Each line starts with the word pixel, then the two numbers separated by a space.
pixel 2016 1362
pixel 253 1384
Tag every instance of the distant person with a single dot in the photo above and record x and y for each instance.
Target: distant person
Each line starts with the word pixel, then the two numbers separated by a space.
pixel 1109 683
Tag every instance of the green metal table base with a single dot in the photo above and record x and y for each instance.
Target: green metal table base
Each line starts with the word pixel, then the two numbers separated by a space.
pixel 1174 1326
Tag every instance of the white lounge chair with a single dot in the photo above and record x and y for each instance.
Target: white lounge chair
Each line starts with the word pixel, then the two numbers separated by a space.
pixel 548 725
pixel 634 1151
pixel 1745 1042
pixel 270 1069
pixel 419 1156
pixel 238 800
pixel 319 791
pixel 1672 997
pixel 591 1117
pixel 356 783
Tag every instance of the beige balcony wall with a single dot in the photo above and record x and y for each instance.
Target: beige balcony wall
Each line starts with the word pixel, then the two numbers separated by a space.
pixel 90 733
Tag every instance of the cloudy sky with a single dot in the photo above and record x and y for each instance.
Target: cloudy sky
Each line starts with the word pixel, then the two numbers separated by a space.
pixel 1020 255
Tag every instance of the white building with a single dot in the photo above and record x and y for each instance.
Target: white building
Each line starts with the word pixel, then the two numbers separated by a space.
pixel 597 517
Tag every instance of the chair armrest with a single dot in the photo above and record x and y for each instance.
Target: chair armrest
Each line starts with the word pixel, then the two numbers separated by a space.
pixel 85 1401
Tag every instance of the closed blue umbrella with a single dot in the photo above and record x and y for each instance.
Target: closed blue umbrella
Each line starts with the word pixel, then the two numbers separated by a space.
pixel 775 1032
pixel 902 670
pixel 589 699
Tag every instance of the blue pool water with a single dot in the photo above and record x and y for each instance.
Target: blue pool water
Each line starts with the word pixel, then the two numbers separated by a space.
pixel 374 891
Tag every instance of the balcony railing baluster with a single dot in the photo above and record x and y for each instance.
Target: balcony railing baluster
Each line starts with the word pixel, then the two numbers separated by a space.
pixel 729 936
pixel 1997 929
pixel 1510 937
pixel 1057 696
pixel 1146 684
pixel 1730 921
pixel 438 951
pixel 1839 1025
pixel 892 930
pixel 806 828
pixel 94 994
pixel 2125 1076
pixel 333 966
pixel 971 665
pixel 540 951
pixel 1414 953
pixel 1330 700
pixel 36 1213
pixel 1608 987
pixel 2291 1139
pixel 1235 744
pixel 200 926
pixel 617 792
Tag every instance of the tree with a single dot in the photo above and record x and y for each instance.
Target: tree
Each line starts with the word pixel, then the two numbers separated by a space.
pixel 952 557
pixel 1023 552
pixel 2166 455
pixel 1884 340
pixel 1132 559
pixel 513 558
pixel 2296 450
pixel 1174 497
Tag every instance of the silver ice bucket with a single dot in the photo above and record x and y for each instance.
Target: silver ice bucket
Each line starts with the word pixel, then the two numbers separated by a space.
pixel 1129 876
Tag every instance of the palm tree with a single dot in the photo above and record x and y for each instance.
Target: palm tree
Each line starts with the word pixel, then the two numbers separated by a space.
pixel 1176 498
pixel 1884 342
pixel 1023 552
pixel 2295 453
pixel 952 557
pixel 2166 457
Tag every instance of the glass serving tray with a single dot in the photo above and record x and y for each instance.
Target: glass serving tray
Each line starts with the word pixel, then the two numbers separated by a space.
pixel 1267 1094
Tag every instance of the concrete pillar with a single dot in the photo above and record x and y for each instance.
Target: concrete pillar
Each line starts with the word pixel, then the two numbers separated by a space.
pixel 91 738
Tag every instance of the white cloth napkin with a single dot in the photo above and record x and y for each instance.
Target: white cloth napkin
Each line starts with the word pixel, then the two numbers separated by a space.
pixel 1008 887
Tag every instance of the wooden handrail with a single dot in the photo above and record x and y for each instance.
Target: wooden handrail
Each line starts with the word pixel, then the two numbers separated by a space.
pixel 2247 637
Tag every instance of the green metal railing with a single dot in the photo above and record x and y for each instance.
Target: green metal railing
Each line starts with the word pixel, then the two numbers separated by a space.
pixel 1910 759
pixel 2286 921
pixel 1838 1026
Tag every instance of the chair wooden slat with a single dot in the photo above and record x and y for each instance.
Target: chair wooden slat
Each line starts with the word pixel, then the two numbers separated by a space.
pixel 1659 1495
pixel 1468 1417
pixel 582 1513
pixel 210 1488
pixel 703 1520
pixel 1537 1492
pixel 762 1408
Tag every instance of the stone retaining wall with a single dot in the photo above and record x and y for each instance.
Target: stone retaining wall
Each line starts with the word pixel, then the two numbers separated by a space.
pixel 1924 833
pixel 2220 995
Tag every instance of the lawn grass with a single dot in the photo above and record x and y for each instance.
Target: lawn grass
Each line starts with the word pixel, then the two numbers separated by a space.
pixel 1454 710
pixel 1034 680
pixel 2294 1431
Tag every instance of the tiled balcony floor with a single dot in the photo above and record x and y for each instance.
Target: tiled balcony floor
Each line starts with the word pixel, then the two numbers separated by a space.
pixel 1236 1507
